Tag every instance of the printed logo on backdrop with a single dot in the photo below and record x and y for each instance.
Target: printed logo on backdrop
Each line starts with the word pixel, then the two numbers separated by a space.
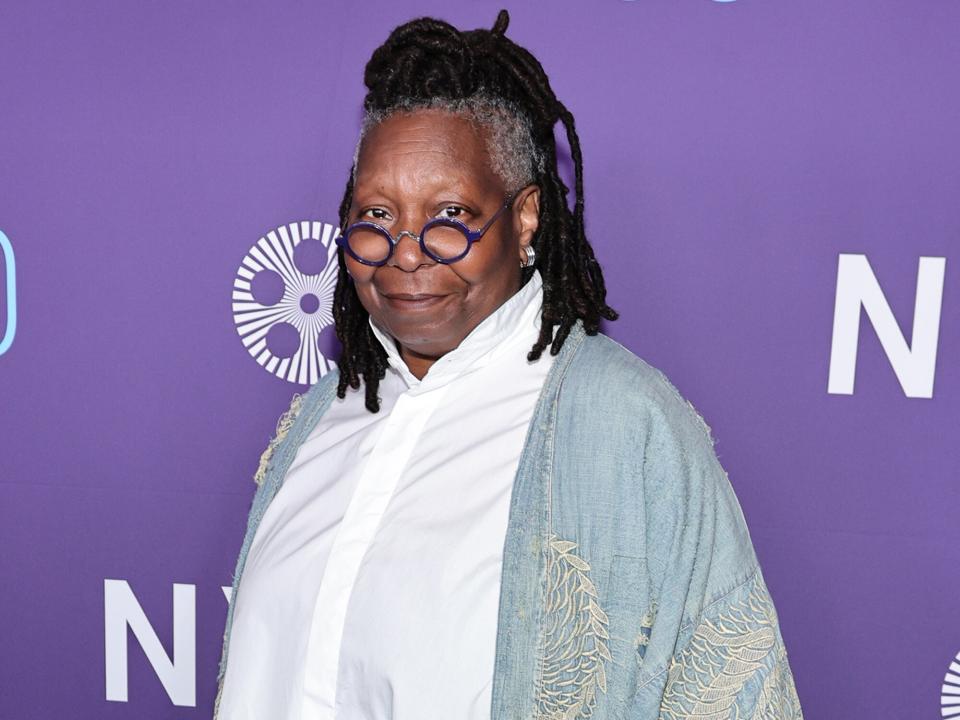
pixel 950 691
pixel 10 282
pixel 283 299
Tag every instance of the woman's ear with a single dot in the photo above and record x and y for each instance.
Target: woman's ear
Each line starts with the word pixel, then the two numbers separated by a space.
pixel 526 216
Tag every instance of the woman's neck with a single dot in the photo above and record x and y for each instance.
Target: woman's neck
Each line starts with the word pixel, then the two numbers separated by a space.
pixel 417 363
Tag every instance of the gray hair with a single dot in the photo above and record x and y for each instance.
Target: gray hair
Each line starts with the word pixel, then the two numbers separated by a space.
pixel 513 155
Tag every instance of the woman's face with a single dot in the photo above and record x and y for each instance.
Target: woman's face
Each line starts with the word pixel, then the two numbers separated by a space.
pixel 413 167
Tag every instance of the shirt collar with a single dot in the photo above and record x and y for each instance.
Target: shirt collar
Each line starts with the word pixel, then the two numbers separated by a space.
pixel 516 321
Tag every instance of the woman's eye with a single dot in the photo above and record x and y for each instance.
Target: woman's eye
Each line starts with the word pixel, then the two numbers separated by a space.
pixel 375 214
pixel 452 211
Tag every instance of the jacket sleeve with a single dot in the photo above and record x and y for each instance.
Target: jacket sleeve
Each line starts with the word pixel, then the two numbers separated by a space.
pixel 714 632
pixel 734 664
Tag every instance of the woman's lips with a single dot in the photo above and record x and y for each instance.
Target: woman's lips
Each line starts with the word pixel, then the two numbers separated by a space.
pixel 408 301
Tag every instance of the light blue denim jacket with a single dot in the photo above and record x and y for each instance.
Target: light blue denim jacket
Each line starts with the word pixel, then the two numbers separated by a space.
pixel 630 586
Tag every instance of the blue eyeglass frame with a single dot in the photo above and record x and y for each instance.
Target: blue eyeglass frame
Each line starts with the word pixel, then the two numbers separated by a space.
pixel 471 235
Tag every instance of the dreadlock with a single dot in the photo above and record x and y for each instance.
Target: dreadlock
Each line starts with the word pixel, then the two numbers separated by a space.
pixel 426 60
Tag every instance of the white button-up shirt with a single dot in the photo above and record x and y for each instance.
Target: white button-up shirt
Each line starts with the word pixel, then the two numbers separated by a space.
pixel 372 585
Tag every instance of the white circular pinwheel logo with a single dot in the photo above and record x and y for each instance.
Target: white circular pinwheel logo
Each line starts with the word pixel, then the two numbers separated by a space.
pixel 950 691
pixel 283 299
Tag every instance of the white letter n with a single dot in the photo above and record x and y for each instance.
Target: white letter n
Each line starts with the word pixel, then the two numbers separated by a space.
pixel 121 609
pixel 915 364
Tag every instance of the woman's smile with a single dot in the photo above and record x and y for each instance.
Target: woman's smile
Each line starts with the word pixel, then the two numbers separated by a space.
pixel 407 302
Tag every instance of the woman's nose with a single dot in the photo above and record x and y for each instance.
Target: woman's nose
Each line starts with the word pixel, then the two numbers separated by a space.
pixel 407 253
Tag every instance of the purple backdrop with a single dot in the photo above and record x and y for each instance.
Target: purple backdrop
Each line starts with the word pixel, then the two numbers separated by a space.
pixel 733 153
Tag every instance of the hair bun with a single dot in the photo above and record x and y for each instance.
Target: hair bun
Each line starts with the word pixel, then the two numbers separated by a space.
pixel 428 55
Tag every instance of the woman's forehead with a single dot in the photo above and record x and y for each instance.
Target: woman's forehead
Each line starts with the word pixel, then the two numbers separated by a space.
pixel 425 147
pixel 434 121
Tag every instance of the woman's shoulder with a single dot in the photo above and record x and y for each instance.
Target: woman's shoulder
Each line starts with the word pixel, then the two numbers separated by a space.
pixel 607 379
pixel 664 453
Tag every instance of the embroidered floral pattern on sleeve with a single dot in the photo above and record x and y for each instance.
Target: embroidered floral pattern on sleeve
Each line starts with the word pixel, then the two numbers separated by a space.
pixel 735 666
pixel 575 634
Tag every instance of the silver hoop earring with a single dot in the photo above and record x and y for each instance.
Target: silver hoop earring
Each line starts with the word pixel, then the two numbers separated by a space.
pixel 531 256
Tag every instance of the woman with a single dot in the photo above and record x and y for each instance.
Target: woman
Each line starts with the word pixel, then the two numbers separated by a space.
pixel 458 524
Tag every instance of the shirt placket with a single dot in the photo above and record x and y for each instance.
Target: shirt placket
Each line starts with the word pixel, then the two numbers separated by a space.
pixel 357 530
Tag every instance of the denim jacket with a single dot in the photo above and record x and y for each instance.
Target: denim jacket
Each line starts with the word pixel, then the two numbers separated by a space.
pixel 630 587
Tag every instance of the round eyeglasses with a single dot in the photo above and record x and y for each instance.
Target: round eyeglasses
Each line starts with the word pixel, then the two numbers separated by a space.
pixel 445 240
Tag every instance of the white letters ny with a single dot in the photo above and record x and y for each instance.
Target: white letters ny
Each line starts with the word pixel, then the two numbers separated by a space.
pixel 177 674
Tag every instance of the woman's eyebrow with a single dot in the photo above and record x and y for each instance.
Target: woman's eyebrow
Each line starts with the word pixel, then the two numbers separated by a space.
pixel 436 193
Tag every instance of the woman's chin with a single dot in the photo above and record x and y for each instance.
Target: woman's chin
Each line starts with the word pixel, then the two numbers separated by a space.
pixel 433 341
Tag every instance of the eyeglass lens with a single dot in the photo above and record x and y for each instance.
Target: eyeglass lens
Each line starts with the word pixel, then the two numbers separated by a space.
pixel 442 240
